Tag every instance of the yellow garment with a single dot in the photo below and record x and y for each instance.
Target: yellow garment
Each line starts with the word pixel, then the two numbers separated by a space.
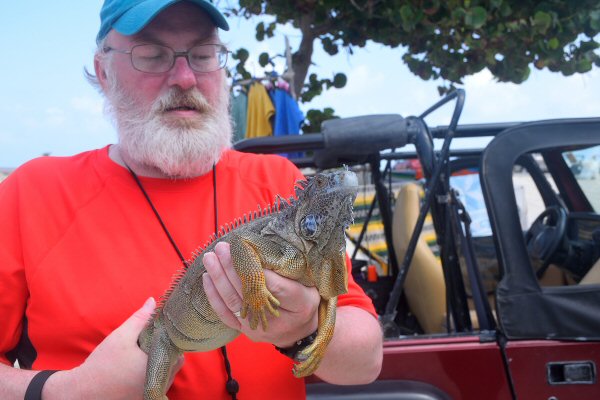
pixel 260 109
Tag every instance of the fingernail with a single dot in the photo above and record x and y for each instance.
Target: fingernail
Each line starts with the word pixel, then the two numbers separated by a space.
pixel 221 247
pixel 150 304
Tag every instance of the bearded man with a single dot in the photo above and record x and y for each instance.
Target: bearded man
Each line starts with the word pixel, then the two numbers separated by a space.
pixel 89 238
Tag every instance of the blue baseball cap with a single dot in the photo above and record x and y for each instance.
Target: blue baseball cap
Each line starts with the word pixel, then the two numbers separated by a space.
pixel 130 16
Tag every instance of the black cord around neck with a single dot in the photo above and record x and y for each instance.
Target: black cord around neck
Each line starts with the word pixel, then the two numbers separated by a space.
pixel 162 224
pixel 232 386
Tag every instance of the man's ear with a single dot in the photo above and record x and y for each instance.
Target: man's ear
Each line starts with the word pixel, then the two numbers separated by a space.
pixel 100 70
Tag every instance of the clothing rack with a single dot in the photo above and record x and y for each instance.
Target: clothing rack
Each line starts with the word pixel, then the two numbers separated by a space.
pixel 287 76
pixel 248 82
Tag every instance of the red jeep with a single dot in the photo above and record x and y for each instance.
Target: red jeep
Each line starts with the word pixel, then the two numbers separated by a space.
pixel 505 303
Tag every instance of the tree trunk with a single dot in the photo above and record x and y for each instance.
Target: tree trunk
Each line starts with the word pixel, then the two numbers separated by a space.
pixel 301 59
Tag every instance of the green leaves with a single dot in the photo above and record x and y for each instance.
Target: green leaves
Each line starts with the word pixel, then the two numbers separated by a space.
pixel 242 55
pixel 553 43
pixel 408 17
pixel 315 86
pixel 476 17
pixel 314 119
pixel 595 20
pixel 542 21
pixel 442 40
pixel 329 46
pixel 263 31
pixel 264 59
pixel 583 66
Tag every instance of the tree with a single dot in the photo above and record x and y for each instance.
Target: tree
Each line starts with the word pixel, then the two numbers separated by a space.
pixel 441 39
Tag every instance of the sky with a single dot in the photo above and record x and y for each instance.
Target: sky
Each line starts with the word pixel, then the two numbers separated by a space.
pixel 47 107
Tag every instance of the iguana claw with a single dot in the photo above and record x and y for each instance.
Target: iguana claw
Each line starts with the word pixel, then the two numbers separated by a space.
pixel 257 304
pixel 309 359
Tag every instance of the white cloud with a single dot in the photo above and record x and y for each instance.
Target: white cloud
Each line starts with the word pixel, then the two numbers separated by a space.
pixel 54 116
pixel 362 81
pixel 6 137
pixel 544 95
pixel 483 78
pixel 87 104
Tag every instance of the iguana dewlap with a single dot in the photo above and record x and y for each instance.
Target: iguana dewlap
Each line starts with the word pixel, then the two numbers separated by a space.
pixel 302 240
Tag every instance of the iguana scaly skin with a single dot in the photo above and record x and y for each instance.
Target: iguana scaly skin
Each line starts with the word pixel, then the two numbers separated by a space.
pixel 302 240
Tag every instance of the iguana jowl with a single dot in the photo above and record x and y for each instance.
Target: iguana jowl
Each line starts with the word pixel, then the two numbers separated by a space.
pixel 302 240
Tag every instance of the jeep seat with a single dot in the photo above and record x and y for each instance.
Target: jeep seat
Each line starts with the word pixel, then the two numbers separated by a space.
pixel 593 275
pixel 424 286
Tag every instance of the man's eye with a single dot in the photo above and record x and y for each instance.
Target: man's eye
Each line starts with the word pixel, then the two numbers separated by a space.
pixel 202 54
pixel 201 58
pixel 151 53
pixel 155 56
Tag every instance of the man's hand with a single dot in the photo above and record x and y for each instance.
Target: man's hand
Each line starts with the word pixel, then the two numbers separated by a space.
pixel 116 369
pixel 298 308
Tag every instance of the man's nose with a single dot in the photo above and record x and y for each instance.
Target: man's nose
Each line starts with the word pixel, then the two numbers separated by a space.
pixel 181 74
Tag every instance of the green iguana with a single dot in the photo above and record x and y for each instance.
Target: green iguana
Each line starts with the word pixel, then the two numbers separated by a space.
pixel 302 239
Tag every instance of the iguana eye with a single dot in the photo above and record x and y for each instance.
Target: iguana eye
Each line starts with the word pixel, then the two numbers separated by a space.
pixel 309 225
pixel 321 181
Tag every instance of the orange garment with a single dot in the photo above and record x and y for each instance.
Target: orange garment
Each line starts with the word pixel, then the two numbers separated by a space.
pixel 260 111
pixel 80 251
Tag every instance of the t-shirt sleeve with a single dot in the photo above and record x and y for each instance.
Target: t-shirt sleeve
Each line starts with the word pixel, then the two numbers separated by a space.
pixel 356 296
pixel 13 284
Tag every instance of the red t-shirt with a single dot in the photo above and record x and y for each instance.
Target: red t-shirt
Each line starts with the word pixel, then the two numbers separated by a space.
pixel 80 251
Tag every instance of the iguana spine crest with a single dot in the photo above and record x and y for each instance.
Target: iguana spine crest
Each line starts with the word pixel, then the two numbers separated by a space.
pixel 280 204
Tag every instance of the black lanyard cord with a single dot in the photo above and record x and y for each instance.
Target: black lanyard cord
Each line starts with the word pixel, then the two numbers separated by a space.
pixel 162 224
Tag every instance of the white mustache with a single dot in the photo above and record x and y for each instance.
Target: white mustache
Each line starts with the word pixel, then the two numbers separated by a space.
pixel 176 98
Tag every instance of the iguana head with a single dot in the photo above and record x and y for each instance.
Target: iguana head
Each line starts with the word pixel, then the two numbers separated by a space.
pixel 323 211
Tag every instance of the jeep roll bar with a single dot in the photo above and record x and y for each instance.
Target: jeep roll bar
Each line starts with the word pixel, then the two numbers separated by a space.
pixel 360 140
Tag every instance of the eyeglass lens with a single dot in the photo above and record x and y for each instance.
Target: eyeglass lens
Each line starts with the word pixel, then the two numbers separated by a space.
pixel 157 58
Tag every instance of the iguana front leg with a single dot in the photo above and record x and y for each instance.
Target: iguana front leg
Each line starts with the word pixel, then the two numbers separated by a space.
pixel 256 298
pixel 311 357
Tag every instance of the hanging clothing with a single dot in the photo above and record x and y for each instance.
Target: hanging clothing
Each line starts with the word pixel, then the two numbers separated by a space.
pixel 260 110
pixel 288 117
pixel 239 115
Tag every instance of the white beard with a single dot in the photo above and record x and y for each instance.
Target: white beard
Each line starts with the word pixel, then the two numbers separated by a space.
pixel 178 148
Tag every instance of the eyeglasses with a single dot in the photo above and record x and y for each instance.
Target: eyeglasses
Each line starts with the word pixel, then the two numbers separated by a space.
pixel 157 59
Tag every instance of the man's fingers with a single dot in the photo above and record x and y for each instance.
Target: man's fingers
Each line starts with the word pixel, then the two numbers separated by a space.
pixel 223 252
pixel 292 295
pixel 225 288
pixel 139 319
pixel 217 303
pixel 222 285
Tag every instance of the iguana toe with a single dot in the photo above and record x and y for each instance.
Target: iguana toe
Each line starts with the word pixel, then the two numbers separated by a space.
pixel 308 366
pixel 309 359
pixel 263 301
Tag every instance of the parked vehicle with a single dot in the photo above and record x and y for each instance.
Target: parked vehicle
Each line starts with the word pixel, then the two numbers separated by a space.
pixel 507 305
